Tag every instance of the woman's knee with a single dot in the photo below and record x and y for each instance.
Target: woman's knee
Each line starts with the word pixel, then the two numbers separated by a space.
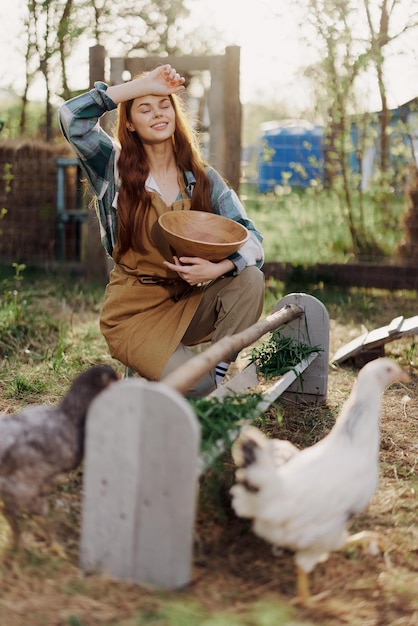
pixel 201 387
pixel 252 286
pixel 255 277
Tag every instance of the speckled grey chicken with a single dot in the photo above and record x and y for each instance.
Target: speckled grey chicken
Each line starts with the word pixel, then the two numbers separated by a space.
pixel 41 442
pixel 303 500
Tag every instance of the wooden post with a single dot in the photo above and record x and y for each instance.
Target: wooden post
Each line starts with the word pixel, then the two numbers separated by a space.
pixel 140 484
pixel 97 56
pixel 216 111
pixel 117 67
pixel 94 258
pixel 232 117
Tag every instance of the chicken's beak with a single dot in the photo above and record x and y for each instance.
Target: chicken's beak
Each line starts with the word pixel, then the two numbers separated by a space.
pixel 405 377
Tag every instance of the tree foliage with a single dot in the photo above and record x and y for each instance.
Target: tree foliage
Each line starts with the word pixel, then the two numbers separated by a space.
pixel 353 40
pixel 55 29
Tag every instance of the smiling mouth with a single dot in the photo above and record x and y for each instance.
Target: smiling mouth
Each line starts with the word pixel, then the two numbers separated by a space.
pixel 160 125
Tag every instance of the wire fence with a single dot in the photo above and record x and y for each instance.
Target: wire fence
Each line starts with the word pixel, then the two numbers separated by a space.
pixel 45 218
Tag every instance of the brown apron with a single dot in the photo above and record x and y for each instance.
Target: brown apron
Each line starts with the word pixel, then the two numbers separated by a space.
pixel 144 320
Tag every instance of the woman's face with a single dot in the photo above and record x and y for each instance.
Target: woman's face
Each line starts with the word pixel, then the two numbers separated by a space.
pixel 153 118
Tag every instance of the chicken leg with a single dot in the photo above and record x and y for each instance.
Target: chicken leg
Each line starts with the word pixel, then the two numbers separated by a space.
pixel 302 585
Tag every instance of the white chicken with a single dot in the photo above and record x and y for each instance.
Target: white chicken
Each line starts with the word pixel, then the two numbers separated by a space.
pixel 303 500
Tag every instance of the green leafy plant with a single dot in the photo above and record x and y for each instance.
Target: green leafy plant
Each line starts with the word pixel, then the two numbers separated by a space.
pixel 280 354
pixel 220 418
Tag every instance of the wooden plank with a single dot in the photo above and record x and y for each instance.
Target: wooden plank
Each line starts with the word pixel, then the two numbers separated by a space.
pixel 398 327
pixel 395 325
pixel 184 64
pixel 313 329
pixel 284 382
pixel 377 337
pixel 410 326
pixel 140 484
pixel 248 379
pixel 376 275
pixel 349 349
pixel 242 382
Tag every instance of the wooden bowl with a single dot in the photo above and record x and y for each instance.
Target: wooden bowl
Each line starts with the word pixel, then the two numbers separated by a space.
pixel 205 235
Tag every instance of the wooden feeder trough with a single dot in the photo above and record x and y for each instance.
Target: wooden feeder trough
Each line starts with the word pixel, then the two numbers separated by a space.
pixel 142 458
pixel 371 345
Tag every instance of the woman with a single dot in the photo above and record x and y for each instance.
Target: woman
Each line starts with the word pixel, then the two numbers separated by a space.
pixel 156 305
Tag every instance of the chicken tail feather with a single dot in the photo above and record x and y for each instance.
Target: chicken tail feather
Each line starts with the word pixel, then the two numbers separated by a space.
pixel 254 462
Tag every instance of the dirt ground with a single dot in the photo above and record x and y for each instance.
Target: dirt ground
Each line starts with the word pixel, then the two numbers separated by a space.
pixel 233 568
pixel 354 588
pixel 350 588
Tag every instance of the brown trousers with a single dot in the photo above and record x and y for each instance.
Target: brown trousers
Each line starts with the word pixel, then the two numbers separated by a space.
pixel 229 304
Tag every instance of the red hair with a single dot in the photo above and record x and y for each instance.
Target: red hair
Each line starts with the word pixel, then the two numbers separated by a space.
pixel 134 201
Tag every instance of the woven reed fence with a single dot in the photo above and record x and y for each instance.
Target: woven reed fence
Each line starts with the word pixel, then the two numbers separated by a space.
pixel 28 228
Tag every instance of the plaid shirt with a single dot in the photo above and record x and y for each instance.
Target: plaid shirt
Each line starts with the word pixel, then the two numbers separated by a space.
pixel 98 155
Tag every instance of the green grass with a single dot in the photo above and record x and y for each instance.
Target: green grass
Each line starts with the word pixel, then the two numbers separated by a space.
pixel 60 314
pixel 307 227
pixel 49 329
pixel 49 332
pixel 181 613
pixel 278 355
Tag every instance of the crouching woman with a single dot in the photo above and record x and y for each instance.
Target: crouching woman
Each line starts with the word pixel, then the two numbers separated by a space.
pixel 156 306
